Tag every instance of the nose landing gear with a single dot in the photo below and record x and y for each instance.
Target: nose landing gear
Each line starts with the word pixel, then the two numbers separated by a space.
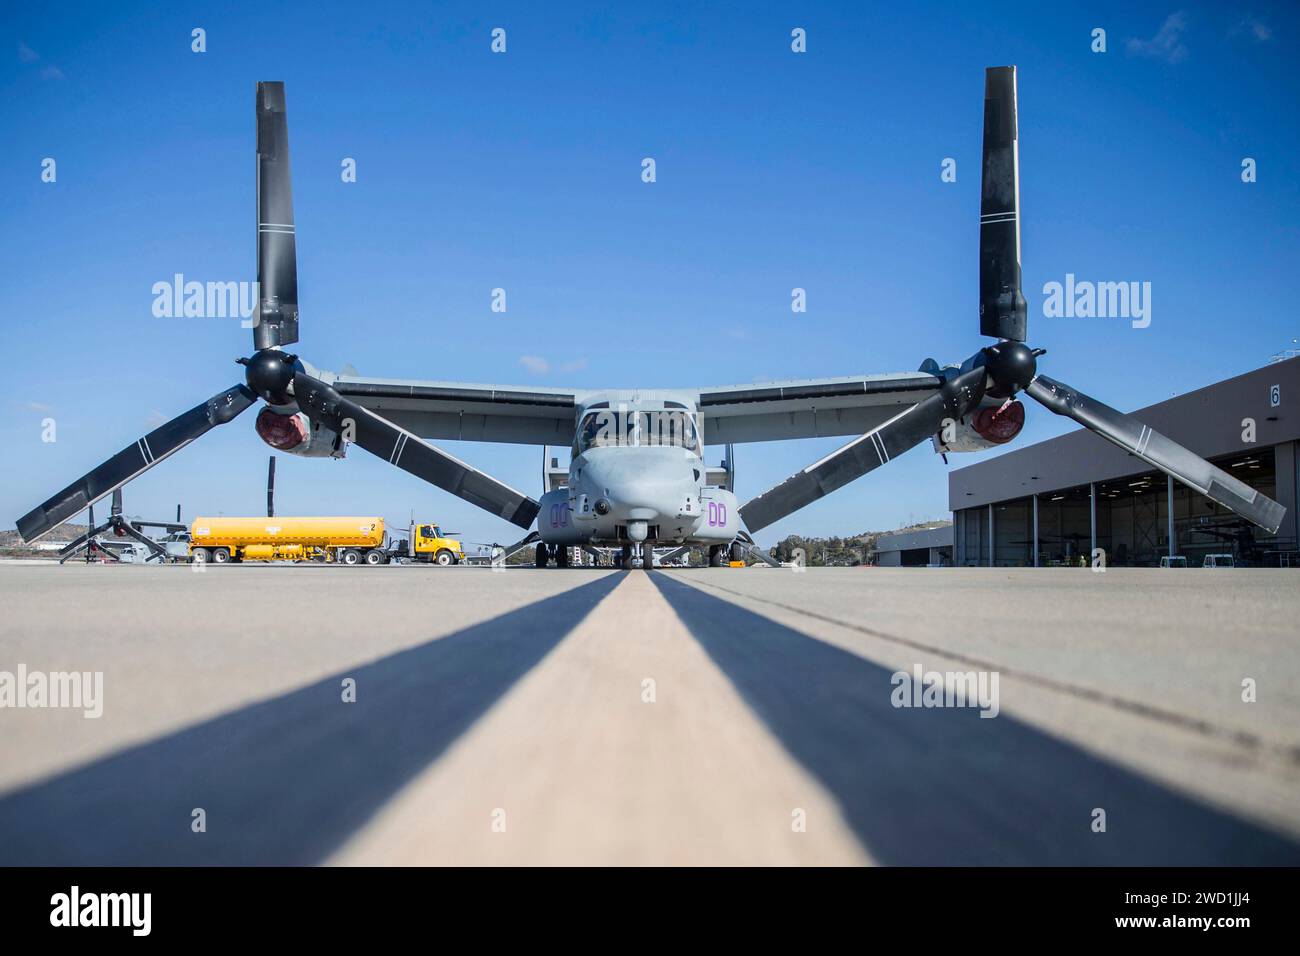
pixel 633 556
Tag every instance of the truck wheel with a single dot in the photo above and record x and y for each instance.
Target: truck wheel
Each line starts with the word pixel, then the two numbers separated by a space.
pixel 543 555
pixel 200 556
pixel 350 557
pixel 444 558
pixel 220 555
pixel 374 557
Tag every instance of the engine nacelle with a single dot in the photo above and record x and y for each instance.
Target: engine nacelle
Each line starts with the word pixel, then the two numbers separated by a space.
pixel 296 434
pixel 993 423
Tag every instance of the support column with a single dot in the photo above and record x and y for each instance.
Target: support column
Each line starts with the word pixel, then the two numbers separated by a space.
pixel 1092 518
pixel 1035 499
pixel 1169 507
pixel 991 538
pixel 1287 469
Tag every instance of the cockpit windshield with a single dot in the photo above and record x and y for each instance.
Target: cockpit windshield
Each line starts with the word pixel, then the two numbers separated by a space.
pixel 610 427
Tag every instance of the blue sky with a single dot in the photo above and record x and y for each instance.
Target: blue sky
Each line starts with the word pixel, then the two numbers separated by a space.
pixel 522 171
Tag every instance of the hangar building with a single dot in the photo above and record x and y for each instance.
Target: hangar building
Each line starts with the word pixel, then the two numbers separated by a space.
pixel 1054 502
pixel 916 548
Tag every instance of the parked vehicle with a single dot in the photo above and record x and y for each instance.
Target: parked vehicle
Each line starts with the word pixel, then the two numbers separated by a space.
pixel 1219 561
pixel 1173 561
pixel 429 544
pixel 177 546
pixel 349 540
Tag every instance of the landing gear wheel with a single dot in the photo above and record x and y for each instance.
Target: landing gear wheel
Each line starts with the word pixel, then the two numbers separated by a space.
pixel 625 561
pixel 221 556
pixel 561 557
pixel 737 552
pixel 444 558
pixel 715 555
pixel 543 555
pixel 374 557
pixel 350 557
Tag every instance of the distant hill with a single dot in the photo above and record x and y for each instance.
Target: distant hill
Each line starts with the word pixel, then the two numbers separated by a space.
pixel 11 546
pixel 841 552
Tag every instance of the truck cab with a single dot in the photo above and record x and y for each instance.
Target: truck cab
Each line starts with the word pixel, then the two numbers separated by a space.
pixel 430 543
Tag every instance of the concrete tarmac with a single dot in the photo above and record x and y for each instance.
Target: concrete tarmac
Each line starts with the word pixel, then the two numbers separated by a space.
pixel 701 716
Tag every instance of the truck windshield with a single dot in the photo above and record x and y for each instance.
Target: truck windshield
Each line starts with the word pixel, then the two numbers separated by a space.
pixel 610 428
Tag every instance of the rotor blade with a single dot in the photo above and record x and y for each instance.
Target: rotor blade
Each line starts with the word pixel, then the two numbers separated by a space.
pixel 277 256
pixel 1155 449
pixel 383 439
pixel 134 460
pixel 155 550
pixel 870 451
pixel 1003 313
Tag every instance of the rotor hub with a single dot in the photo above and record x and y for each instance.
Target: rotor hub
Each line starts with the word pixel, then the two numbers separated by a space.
pixel 1011 366
pixel 269 373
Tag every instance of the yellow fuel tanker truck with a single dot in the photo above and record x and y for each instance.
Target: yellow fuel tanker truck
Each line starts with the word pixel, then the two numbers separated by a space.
pixel 348 540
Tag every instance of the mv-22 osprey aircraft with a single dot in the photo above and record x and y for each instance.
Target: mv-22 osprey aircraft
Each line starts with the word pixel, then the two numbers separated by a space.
pixel 637 476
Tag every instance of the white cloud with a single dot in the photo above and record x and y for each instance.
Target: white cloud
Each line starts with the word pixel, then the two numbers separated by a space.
pixel 577 365
pixel 1255 28
pixel 1167 44
pixel 27 55
pixel 534 364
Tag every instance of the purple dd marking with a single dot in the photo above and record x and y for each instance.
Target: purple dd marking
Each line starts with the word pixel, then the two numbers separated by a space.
pixel 717 515
pixel 560 515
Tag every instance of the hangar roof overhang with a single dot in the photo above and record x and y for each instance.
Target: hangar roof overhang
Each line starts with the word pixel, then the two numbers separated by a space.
pixel 920 538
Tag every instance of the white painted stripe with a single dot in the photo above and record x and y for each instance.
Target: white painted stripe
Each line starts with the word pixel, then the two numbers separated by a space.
pixel 861 438
pixel 701 781
pixel 880 448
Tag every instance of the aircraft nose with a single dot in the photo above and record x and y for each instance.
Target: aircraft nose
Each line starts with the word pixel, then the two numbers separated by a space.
pixel 637 485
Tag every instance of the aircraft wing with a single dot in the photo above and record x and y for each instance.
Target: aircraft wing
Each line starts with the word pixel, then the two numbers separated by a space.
pixel 463 412
pixel 769 411
pixel 809 408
